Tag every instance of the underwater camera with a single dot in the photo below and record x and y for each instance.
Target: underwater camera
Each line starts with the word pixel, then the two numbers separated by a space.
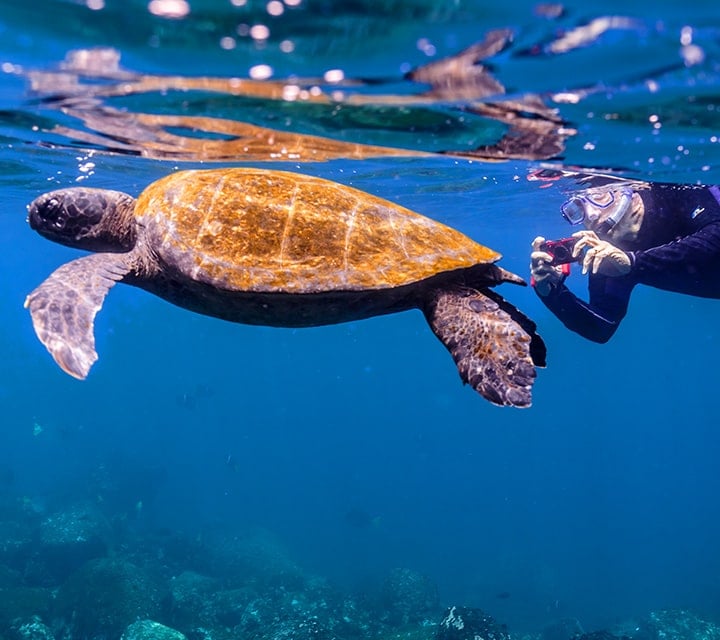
pixel 561 250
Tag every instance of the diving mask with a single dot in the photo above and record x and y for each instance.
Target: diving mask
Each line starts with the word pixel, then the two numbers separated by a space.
pixel 613 205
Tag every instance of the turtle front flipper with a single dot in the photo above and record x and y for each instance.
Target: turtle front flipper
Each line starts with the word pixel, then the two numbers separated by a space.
pixel 63 308
pixel 494 346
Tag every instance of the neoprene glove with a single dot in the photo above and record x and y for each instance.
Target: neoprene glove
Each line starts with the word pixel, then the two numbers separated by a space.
pixel 601 256
pixel 544 277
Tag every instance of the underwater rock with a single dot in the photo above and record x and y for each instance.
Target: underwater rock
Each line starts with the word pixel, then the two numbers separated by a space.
pixel 210 633
pixel 261 608
pixel 149 630
pixel 600 635
pixel 466 623
pixel 17 603
pixel 168 552
pixel 255 557
pixel 32 629
pixel 16 536
pixel 9 577
pixel 298 627
pixel 563 629
pixel 333 613
pixel 191 599
pixel 230 607
pixel 71 537
pixel 315 612
pixel 408 597
pixel 678 624
pixel 105 595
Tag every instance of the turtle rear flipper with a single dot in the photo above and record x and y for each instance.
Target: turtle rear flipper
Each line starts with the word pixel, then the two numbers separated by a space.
pixel 63 308
pixel 494 347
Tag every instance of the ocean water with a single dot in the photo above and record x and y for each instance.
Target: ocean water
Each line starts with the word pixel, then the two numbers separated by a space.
pixel 356 446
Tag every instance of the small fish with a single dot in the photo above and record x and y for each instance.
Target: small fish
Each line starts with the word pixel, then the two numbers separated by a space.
pixel 361 519
pixel 231 463
pixel 191 399
pixel 186 400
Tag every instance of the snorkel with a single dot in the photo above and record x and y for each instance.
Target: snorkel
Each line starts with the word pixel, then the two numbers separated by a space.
pixel 619 213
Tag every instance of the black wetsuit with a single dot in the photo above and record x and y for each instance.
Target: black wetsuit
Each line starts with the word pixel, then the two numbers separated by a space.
pixel 677 249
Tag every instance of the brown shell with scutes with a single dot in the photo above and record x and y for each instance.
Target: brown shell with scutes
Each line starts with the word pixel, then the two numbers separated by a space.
pixel 269 231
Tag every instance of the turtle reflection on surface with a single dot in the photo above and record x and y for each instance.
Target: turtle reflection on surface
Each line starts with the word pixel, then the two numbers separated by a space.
pixel 87 82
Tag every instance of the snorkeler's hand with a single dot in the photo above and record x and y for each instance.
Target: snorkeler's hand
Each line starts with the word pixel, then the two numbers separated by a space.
pixel 601 256
pixel 545 277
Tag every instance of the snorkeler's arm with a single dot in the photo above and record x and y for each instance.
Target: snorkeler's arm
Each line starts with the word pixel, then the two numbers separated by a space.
pixel 699 247
pixel 598 319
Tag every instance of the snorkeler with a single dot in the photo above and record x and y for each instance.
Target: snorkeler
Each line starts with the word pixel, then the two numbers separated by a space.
pixel 661 235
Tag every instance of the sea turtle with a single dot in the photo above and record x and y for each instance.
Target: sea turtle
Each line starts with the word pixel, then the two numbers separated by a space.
pixel 281 249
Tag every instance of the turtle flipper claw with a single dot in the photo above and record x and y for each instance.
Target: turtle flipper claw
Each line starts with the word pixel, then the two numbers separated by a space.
pixel 63 309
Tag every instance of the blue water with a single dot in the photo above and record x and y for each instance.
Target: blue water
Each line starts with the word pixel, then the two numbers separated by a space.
pixel 599 503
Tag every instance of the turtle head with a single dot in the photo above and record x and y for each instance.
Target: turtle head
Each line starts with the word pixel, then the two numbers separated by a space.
pixel 92 219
